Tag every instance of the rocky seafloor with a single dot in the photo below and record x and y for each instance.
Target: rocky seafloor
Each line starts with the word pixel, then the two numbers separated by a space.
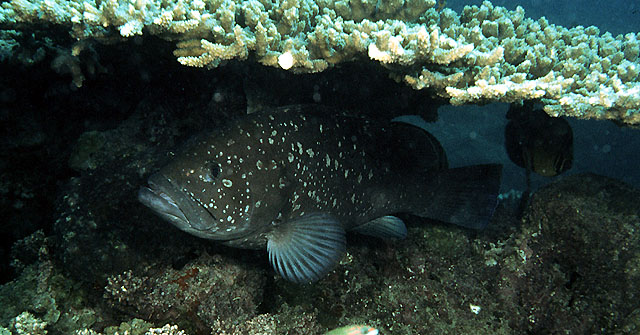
pixel 81 255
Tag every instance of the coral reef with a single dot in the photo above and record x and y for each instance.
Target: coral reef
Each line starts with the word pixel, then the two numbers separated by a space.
pixel 42 300
pixel 135 327
pixel 483 54
pixel 574 265
pixel 27 324
pixel 102 262
pixel 571 265
pixel 204 291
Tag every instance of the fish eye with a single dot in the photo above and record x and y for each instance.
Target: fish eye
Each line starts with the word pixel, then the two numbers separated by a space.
pixel 211 171
pixel 215 170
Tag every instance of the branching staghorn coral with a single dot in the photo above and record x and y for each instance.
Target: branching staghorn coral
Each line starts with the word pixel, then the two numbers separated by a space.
pixel 483 54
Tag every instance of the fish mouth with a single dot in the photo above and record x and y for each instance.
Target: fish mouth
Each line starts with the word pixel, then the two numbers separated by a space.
pixel 160 202
pixel 170 203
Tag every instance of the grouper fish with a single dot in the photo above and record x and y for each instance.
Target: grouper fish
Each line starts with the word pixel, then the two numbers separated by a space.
pixel 294 180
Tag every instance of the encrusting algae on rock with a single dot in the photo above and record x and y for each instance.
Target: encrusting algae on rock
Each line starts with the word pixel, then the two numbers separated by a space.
pixel 483 54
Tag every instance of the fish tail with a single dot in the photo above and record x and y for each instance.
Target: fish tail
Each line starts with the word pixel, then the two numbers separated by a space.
pixel 465 196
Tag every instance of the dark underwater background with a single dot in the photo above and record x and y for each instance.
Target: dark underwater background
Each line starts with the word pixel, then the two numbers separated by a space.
pixel 73 234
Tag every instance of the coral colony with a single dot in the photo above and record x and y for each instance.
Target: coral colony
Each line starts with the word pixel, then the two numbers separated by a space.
pixel 484 54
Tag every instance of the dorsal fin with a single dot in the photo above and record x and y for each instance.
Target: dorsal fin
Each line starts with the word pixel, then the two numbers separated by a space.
pixel 416 148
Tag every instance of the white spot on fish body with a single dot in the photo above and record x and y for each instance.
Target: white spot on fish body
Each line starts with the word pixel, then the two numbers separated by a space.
pixel 227 182
pixel 290 156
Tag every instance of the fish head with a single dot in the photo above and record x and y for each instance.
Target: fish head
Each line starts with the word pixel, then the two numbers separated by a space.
pixel 230 185
pixel 205 192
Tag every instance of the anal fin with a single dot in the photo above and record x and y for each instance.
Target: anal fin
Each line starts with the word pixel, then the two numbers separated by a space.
pixel 383 227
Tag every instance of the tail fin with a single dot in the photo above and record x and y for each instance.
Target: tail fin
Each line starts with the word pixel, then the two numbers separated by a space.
pixel 465 196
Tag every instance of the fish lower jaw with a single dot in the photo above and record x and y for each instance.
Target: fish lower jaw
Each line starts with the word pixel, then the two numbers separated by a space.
pixel 163 205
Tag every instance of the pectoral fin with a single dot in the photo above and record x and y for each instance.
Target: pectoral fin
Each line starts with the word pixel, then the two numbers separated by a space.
pixel 307 248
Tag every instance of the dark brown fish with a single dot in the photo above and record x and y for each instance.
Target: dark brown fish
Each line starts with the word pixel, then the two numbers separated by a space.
pixel 538 142
pixel 293 180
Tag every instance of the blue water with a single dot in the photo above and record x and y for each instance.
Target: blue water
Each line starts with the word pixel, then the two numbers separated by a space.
pixel 615 16
pixel 475 135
